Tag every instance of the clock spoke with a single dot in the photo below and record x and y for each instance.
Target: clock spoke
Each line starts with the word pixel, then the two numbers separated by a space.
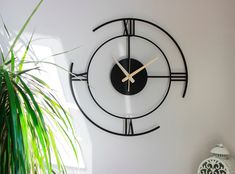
pixel 159 76
pixel 129 30
pixel 128 47
pixel 129 53
pixel 129 61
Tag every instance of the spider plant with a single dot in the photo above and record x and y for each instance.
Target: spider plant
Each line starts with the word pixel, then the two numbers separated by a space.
pixel 28 108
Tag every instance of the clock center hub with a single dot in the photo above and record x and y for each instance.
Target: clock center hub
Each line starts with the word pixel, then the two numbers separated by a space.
pixel 127 87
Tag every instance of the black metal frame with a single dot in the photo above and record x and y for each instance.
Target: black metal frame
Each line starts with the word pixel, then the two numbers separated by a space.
pixel 118 116
pixel 173 76
pixel 106 130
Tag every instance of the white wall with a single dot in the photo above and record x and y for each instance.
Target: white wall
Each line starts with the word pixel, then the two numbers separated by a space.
pixel 190 127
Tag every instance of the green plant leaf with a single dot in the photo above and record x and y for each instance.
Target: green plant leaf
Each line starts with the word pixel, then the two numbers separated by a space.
pixel 37 153
pixel 55 106
pixel 53 143
pixel 24 26
pixel 53 64
pixel 29 92
pixel 8 62
pixel 12 61
pixel 40 131
pixel 24 133
pixel 43 83
pixel 13 120
pixel 27 70
pixel 25 54
pixel 38 120
pixel 60 53
pixel 64 133
pixel 2 56
pixel 5 27
pixel 21 132
pixel 26 101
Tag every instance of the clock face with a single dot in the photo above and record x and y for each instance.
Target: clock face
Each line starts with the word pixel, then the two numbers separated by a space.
pixel 128 78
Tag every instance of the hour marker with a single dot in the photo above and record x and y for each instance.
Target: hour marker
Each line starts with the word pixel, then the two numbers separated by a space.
pixel 128 127
pixel 79 77
pixel 129 27
pixel 178 76
pixel 175 76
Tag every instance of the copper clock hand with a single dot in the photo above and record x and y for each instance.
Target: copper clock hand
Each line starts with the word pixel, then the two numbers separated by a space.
pixel 139 69
pixel 124 71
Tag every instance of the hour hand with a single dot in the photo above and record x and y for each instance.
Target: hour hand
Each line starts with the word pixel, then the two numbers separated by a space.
pixel 139 69
pixel 128 77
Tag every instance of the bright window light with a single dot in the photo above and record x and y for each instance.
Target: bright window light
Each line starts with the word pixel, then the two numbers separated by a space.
pixel 50 75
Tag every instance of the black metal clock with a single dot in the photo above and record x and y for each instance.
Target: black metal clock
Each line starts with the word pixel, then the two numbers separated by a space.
pixel 129 76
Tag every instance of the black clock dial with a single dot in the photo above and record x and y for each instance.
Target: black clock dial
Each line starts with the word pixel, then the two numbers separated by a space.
pixel 128 77
pixel 117 75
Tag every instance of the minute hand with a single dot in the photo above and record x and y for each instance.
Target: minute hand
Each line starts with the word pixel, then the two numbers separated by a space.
pixel 140 69
pixel 124 71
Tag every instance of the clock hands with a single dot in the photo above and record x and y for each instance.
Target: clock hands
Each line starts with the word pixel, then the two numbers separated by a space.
pixel 139 69
pixel 124 71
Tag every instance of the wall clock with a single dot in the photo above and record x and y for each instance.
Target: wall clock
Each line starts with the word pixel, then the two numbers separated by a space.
pixel 128 76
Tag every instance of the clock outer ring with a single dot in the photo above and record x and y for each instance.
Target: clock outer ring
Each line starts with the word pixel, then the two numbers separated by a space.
pixel 139 116
pixel 156 127
pixel 100 127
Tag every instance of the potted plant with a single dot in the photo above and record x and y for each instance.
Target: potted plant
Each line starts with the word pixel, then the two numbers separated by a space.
pixel 27 141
